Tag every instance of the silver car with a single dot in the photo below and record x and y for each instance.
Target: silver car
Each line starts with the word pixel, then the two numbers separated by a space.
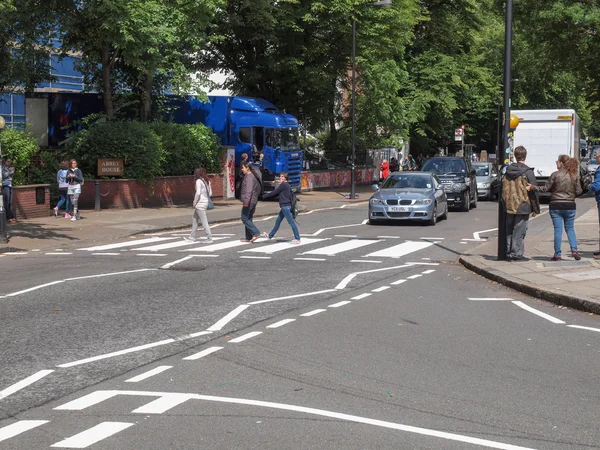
pixel 592 164
pixel 409 196
pixel 487 180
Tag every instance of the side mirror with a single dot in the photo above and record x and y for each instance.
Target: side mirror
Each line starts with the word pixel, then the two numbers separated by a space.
pixel 375 187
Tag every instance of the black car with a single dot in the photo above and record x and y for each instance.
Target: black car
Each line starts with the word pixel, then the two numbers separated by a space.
pixel 458 178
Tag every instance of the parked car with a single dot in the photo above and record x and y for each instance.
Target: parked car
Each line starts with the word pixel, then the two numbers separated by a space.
pixel 409 196
pixel 458 177
pixel 592 165
pixel 488 181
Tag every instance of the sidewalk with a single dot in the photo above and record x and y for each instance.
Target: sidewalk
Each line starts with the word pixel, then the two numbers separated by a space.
pixel 571 283
pixel 98 226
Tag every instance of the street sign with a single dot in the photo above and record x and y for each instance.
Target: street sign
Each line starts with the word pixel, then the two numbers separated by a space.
pixel 458 134
pixel 110 167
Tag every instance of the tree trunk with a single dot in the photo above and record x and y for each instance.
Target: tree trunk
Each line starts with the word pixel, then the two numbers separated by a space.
pixel 146 100
pixel 107 83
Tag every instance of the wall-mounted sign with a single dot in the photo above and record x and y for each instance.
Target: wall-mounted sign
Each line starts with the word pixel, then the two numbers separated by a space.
pixel 110 167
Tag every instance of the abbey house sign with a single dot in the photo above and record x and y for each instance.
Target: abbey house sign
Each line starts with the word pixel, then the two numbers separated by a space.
pixel 110 167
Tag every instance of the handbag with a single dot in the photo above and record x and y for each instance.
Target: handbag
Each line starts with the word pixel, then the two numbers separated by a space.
pixel 74 189
pixel 211 205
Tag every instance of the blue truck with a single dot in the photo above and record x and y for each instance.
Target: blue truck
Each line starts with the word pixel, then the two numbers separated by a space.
pixel 253 126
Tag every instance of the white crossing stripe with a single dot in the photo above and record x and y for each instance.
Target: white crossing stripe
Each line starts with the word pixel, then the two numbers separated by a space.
pixel 312 313
pixel 537 313
pixel 202 354
pixel 162 404
pixel 92 435
pixel 332 250
pixel 245 336
pixel 281 323
pixel 216 247
pixel 14 429
pixel 400 250
pixel 381 289
pixel 338 304
pixel 148 374
pixel 176 244
pixel 24 383
pixel 361 296
pixel 131 243
pixel 282 246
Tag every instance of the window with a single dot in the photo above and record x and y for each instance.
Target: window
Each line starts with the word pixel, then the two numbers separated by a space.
pixel 245 135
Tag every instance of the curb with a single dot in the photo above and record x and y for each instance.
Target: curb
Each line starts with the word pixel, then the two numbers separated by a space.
pixel 570 300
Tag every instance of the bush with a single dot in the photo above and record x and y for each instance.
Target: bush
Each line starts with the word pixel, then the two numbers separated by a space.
pixel 188 147
pixel 20 146
pixel 139 146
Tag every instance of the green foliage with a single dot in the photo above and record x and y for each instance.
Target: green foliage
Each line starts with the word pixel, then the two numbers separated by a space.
pixel 188 147
pixel 20 146
pixel 44 171
pixel 139 146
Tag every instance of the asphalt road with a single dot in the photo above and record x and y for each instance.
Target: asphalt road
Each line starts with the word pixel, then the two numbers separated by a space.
pixel 361 337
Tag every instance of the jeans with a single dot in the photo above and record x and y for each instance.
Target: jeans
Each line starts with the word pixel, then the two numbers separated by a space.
pixel 516 229
pixel 200 214
pixel 247 214
pixel 64 198
pixel 286 211
pixel 7 197
pixel 568 216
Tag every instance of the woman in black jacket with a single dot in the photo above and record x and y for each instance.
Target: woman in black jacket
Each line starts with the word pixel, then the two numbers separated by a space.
pixel 284 191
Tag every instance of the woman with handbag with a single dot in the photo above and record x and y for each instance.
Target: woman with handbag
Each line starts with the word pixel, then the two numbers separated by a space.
pixel 202 202
pixel 63 186
pixel 75 180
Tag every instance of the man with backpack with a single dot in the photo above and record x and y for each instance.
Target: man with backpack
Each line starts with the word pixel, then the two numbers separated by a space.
pixel 288 208
pixel 519 203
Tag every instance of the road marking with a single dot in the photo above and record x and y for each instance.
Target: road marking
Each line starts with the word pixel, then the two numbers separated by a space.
pixel 106 254
pixel 162 404
pixel 170 245
pixel 281 323
pixel 202 354
pixel 365 261
pixel 337 305
pixel 150 373
pixel 255 257
pixel 427 272
pixel 15 253
pixel 14 429
pixel 309 259
pixel 280 246
pixel 312 313
pixel 245 337
pixel 346 235
pixel 133 243
pixel 216 247
pixel 57 253
pixel 433 238
pixel 476 235
pixel 538 313
pixel 396 283
pixel 290 297
pixel 342 284
pixel 483 299
pixel 171 264
pixel 151 254
pixel 584 328
pixel 400 250
pixel 332 250
pixel 228 318
pixel 24 383
pixel 389 237
pixel 412 277
pixel 201 333
pixel 92 435
pixel 381 289
pixel 361 296
pixel 316 233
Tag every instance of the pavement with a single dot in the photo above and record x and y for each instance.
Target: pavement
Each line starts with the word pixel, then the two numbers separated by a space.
pixel 568 283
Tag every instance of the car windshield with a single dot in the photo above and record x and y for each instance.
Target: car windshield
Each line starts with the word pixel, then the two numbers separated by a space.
pixel 445 166
pixel 407 182
pixel 483 170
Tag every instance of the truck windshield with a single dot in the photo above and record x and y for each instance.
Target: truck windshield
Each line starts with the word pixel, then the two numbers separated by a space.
pixel 289 139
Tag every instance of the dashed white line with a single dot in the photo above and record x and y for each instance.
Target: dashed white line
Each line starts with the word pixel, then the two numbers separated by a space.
pixel 148 374
pixel 281 323
pixel 222 322
pixel 484 299
pixel 312 313
pixel 106 254
pixel 255 257
pixel 24 383
pixel 310 259
pixel 584 328
pixel 57 253
pixel 258 302
pixel 388 237
pixel 396 283
pixel 15 253
pixel 245 337
pixel 201 333
pixel 538 313
pixel 93 435
pixel 365 261
pixel 202 354
pixel 14 429
pixel 412 277
pixel 361 296
pixel 171 264
pixel 151 254
pixel 381 289
pixel 427 272
pixel 337 305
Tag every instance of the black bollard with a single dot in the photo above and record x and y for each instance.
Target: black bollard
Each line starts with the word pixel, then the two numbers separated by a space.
pixel 97 202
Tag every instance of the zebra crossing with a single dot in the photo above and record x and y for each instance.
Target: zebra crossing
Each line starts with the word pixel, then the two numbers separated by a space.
pixel 265 248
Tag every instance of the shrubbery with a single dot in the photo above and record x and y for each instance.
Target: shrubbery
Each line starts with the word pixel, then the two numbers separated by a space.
pixel 20 146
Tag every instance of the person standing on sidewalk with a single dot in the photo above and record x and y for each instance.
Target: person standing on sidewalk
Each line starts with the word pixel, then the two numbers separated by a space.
pixel 249 198
pixel 75 180
pixel 595 188
pixel 63 185
pixel 384 170
pixel 201 199
pixel 284 191
pixel 519 203
pixel 7 172
pixel 564 186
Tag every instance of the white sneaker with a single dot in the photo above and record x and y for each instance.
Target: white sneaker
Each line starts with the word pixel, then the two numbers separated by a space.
pixel 74 219
pixel 208 241
pixel 189 238
pixel 265 235
pixel 295 241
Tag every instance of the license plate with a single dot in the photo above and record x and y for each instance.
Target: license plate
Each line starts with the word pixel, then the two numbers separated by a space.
pixel 397 209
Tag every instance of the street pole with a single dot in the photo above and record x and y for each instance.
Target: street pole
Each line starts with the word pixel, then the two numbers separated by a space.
pixel 502 152
pixel 353 162
pixel 3 236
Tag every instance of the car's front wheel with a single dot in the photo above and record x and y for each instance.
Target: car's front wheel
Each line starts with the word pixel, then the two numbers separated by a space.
pixel 433 219
pixel 474 204
pixel 466 202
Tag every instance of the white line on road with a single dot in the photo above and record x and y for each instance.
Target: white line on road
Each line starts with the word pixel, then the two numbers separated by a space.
pixel 537 313
pixel 346 235
pixel 389 237
pixel 312 313
pixel 427 272
pixel 105 254
pixel 396 283
pixel 148 374
pixel 483 299
pixel 310 259
pixel 400 250
pixel 15 253
pixel 255 257
pixel 14 429
pixel 291 296
pixel 433 238
pixel 337 305
pixel 24 383
pixel 92 435
pixel 281 323
pixel 342 284
pixel 126 244
pixel 412 277
pixel 365 261
pixel 171 264
pixel 245 337
pixel 202 354
pixel 228 318
pixel 381 289
pixel 57 253
pixel 584 328
pixel 162 404
pixel 201 333
pixel 151 254
pixel 361 296
pixel 476 235
pixel 316 233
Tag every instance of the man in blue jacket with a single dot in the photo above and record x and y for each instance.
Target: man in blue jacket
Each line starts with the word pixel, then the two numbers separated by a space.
pixel 595 187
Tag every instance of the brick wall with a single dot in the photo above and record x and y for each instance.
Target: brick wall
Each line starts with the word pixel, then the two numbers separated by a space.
pixel 128 194
pixel 31 201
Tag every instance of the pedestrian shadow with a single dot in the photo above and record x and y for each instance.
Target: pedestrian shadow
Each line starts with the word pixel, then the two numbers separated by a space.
pixel 38 231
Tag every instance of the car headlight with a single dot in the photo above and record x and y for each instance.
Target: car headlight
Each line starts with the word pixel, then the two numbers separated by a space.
pixel 458 187
pixel 376 201
pixel 483 185
pixel 424 201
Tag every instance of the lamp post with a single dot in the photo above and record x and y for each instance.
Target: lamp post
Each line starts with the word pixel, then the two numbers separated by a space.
pixel 380 4
pixel 3 237
pixel 505 144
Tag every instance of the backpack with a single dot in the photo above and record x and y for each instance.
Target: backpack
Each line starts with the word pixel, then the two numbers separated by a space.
pixel 514 192
pixel 294 203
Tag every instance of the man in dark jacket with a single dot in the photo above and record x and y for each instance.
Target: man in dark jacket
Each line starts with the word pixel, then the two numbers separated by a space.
pixel 595 188
pixel 249 198
pixel 517 216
